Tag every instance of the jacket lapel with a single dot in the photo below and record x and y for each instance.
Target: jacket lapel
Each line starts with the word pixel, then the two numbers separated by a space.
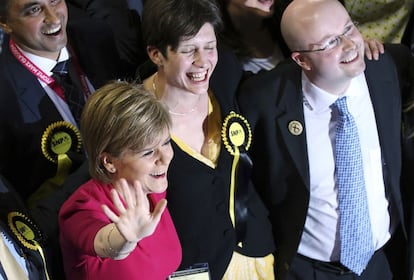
pixel 32 98
pixel 291 124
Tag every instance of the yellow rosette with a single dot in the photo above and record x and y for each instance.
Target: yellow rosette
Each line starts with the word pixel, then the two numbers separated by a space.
pixel 237 137
pixel 58 139
pixel 27 233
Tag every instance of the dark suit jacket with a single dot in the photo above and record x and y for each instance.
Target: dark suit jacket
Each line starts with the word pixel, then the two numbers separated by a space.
pixel 11 202
pixel 281 169
pixel 26 111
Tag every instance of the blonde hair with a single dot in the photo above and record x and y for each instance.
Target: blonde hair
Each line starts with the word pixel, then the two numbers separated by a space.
pixel 120 117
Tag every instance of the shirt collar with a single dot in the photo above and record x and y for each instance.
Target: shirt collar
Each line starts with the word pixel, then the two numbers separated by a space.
pixel 319 100
pixel 46 64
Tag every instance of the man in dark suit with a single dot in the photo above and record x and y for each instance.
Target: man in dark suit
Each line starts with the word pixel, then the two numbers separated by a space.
pixel 298 162
pixel 40 144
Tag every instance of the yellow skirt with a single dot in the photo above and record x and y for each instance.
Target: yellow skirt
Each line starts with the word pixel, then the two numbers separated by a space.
pixel 250 268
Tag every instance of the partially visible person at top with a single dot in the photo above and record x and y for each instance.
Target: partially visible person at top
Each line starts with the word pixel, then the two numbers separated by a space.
pixel 219 217
pixel 47 71
pixel 386 21
pixel 327 150
pixel 252 31
pixel 123 18
pixel 116 225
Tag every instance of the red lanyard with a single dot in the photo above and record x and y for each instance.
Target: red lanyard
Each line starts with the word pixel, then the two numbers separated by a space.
pixel 43 76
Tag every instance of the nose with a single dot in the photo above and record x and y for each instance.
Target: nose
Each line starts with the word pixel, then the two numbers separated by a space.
pixel 347 42
pixel 165 155
pixel 51 16
pixel 200 59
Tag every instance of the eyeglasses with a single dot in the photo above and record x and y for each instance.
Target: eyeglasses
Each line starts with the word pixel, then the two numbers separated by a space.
pixel 335 41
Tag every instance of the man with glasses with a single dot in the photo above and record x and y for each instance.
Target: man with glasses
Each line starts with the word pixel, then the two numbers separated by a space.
pixel 327 125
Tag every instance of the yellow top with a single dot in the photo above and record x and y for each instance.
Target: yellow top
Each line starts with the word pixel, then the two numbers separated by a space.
pixel 211 147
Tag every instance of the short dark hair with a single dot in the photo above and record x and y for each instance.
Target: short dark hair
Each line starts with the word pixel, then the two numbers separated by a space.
pixel 167 22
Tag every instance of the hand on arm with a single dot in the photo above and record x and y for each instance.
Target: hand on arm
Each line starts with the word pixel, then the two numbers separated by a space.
pixel 135 221
pixel 373 48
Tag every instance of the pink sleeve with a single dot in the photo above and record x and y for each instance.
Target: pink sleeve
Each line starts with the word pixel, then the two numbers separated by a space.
pixel 81 217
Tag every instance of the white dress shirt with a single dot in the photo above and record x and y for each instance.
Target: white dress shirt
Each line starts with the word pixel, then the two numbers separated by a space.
pixel 320 238
pixel 46 65
pixel 19 259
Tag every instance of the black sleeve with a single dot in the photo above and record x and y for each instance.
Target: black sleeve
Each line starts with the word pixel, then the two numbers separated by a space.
pixel 46 211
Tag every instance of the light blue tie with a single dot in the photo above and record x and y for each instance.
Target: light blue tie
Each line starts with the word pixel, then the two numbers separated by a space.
pixel 355 227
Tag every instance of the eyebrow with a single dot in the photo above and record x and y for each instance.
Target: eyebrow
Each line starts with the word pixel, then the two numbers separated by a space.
pixel 28 5
pixel 323 40
pixel 193 44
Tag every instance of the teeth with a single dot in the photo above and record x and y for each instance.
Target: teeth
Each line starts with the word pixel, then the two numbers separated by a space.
pixel 51 31
pixel 197 76
pixel 350 59
pixel 158 174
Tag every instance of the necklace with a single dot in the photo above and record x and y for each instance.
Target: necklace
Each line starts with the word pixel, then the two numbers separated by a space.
pixel 171 110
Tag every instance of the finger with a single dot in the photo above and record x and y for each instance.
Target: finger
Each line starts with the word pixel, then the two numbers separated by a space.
pixel 381 47
pixel 117 201
pixel 110 214
pixel 377 48
pixel 128 197
pixel 158 210
pixel 374 49
pixel 140 197
pixel 368 53
pixel 377 44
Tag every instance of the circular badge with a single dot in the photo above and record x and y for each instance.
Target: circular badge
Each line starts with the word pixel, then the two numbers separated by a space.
pixel 236 132
pixel 60 138
pixel 25 230
pixel 295 128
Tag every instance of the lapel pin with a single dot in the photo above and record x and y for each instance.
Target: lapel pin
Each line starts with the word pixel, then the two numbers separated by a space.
pixel 295 128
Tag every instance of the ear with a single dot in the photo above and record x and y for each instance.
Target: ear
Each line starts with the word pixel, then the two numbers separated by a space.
pixel 5 26
pixel 155 55
pixel 107 162
pixel 300 60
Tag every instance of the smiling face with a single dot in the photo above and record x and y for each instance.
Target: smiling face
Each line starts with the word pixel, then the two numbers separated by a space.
pixel 148 166
pixel 190 67
pixel 37 26
pixel 330 25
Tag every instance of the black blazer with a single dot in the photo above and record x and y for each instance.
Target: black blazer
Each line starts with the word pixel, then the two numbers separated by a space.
pixel 26 111
pixel 198 195
pixel 198 200
pixel 10 202
pixel 281 169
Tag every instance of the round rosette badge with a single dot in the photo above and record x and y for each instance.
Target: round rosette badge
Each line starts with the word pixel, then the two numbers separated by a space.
pixel 28 235
pixel 60 138
pixel 236 133
pixel 25 230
